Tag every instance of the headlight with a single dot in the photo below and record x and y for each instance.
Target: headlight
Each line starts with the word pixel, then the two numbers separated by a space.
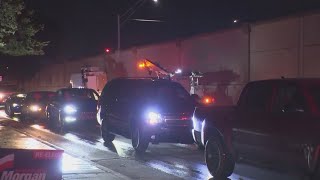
pixel 1 95
pixel 15 105
pixel 70 119
pixel 154 118
pixel 35 108
pixel 21 95
pixel 69 109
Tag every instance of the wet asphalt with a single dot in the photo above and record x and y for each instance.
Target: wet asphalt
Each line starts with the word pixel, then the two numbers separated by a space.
pixel 162 161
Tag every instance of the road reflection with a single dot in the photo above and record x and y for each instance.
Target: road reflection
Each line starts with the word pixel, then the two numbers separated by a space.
pixel 177 159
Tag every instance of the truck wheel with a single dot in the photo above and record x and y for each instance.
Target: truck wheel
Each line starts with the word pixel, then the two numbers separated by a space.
pixel 139 141
pixel 61 127
pixel 200 146
pixel 49 120
pixel 219 162
pixel 9 111
pixel 105 134
pixel 311 154
pixel 24 117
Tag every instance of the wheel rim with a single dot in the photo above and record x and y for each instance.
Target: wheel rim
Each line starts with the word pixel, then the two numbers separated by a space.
pixel 310 156
pixel 213 157
pixel 135 137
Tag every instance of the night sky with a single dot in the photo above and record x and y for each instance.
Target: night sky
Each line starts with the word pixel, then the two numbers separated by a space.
pixel 85 27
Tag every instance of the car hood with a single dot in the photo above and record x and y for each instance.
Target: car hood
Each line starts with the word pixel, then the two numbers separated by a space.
pixel 170 108
pixel 82 104
pixel 39 103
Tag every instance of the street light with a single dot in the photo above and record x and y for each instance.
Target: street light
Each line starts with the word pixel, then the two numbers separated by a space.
pixel 128 13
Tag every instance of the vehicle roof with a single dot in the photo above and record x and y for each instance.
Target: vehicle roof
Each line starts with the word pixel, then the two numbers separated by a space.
pixel 142 79
pixel 288 80
pixel 76 89
pixel 32 92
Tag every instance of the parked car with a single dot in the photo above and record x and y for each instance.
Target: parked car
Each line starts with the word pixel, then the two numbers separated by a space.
pixel 145 110
pixel 72 106
pixel 5 91
pixel 13 104
pixel 34 107
pixel 274 124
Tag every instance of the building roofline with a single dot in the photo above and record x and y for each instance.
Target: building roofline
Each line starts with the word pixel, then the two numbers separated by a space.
pixel 223 30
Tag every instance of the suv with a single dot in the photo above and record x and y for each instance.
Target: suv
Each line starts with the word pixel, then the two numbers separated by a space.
pixel 145 110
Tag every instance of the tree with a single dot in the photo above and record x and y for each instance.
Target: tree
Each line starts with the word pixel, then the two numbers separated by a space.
pixel 18 30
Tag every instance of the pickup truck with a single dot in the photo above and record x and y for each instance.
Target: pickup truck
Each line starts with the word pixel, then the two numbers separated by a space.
pixel 276 124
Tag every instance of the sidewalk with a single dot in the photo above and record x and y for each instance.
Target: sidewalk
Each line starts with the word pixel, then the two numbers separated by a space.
pixel 72 168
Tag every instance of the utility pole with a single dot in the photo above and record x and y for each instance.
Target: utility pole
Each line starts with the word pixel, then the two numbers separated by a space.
pixel 127 15
pixel 118 52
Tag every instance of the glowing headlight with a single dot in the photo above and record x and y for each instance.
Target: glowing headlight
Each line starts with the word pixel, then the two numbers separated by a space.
pixel 70 109
pixel 35 108
pixel 21 95
pixel 154 118
pixel 15 105
pixel 70 119
pixel 1 95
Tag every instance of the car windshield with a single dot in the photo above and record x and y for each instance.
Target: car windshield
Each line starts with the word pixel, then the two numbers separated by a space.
pixel 40 96
pixel 79 94
pixel 168 92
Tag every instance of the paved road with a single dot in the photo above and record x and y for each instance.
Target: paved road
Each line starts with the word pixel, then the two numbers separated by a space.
pixel 163 161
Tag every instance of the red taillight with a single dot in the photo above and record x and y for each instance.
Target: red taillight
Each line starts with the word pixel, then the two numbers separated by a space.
pixel 184 118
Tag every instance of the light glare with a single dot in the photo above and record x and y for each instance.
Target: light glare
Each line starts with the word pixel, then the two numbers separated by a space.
pixel 70 119
pixel 154 118
pixel 35 108
pixel 178 71
pixel 70 109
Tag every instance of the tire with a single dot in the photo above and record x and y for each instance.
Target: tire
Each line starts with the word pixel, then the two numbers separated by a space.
pixel 50 122
pixel 54 123
pixel 9 111
pixel 200 146
pixel 23 117
pixel 311 154
pixel 6 109
pixel 105 134
pixel 59 125
pixel 140 141
pixel 219 161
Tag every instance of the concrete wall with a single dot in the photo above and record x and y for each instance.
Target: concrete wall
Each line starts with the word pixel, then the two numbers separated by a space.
pixel 275 49
pixel 288 47
pixel 311 46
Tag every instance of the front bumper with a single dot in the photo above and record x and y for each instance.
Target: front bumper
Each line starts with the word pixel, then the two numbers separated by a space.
pixel 169 134
pixel 37 115
pixel 80 118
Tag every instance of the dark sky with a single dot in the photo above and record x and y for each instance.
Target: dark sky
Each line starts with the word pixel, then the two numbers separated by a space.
pixel 85 27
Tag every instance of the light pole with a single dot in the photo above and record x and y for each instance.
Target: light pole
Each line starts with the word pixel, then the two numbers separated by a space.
pixel 128 14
